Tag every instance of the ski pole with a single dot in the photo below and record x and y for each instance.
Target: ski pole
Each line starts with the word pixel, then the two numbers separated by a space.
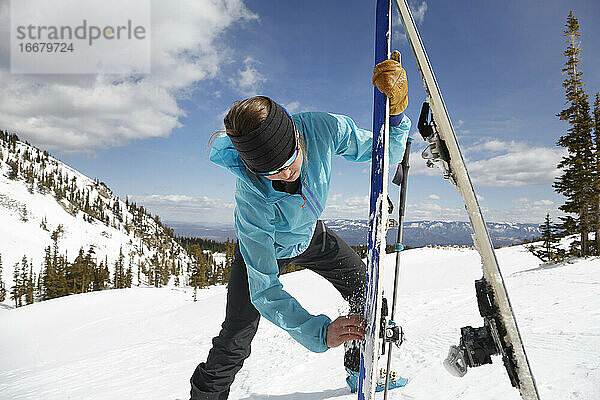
pixel 400 179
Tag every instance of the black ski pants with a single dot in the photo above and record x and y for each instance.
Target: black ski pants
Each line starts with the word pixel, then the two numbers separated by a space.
pixel 327 255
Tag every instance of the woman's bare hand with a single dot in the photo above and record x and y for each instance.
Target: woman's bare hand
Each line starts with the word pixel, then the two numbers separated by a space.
pixel 345 328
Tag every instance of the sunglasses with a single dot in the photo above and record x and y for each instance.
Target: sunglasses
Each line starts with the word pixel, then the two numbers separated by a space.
pixel 285 166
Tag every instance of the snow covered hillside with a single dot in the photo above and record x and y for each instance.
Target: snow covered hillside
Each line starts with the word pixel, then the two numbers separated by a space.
pixel 38 193
pixel 144 343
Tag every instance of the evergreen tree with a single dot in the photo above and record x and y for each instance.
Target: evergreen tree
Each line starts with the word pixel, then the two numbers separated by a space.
pixel 30 292
pixel 26 281
pixel 128 277
pixel 576 183
pixel 39 291
pixel 15 293
pixel 48 276
pixel 2 286
pixel 229 256
pixel 101 277
pixel 139 272
pixel 597 170
pixel 550 239
pixel 74 273
pixel 54 275
pixel 197 277
pixel 90 267
pixel 119 275
pixel 59 265
pixel 13 172
pixel 151 271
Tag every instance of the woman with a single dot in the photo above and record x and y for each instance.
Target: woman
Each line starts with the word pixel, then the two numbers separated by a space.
pixel 282 165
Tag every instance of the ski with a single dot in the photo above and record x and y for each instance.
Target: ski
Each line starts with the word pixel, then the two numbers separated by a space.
pixel 500 334
pixel 378 213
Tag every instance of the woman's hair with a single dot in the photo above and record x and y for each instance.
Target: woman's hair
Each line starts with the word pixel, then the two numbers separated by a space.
pixel 247 115
pixel 243 117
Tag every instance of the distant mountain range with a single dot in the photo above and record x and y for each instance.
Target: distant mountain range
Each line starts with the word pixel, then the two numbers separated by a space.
pixel 416 234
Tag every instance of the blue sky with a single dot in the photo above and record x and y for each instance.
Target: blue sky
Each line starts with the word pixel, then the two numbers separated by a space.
pixel 498 65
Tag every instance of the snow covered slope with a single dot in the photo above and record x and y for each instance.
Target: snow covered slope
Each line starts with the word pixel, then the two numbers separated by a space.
pixel 144 343
pixel 38 193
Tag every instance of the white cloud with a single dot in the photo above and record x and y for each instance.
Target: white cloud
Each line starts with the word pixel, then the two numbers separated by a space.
pixel 433 197
pixel 434 212
pixel 172 199
pixel 399 35
pixel 204 209
pixel 496 146
pixel 531 166
pixel 357 201
pixel 419 13
pixel 523 211
pixel 292 107
pixel 519 165
pixel 87 112
pixel 249 80
pixel 355 207
pixel 183 208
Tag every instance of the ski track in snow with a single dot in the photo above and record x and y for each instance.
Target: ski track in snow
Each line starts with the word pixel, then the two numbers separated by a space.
pixel 144 343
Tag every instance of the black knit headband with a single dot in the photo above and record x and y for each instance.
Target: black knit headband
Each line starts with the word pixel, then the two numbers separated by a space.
pixel 270 145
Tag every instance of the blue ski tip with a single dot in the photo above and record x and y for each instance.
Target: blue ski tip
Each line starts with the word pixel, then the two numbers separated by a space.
pixel 399 247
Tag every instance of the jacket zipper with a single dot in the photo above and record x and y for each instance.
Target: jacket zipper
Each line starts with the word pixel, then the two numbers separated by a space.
pixel 313 197
pixel 309 205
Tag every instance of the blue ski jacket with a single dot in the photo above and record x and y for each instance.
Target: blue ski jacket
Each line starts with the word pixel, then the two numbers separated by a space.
pixel 271 224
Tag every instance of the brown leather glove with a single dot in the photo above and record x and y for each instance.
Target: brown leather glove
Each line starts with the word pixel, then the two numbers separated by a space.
pixel 390 79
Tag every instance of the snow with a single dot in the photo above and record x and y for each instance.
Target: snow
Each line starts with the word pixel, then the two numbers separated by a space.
pixel 144 343
pixel 23 209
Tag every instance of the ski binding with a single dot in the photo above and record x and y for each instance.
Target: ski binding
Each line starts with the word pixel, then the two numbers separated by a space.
pixel 477 345
pixel 436 153
pixel 389 331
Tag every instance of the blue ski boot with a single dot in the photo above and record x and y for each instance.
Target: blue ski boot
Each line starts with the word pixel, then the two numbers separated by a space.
pixel 396 381
pixel 352 380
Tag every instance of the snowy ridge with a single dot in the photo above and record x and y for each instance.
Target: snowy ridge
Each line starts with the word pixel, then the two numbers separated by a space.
pixel 423 233
pixel 38 193
pixel 144 343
